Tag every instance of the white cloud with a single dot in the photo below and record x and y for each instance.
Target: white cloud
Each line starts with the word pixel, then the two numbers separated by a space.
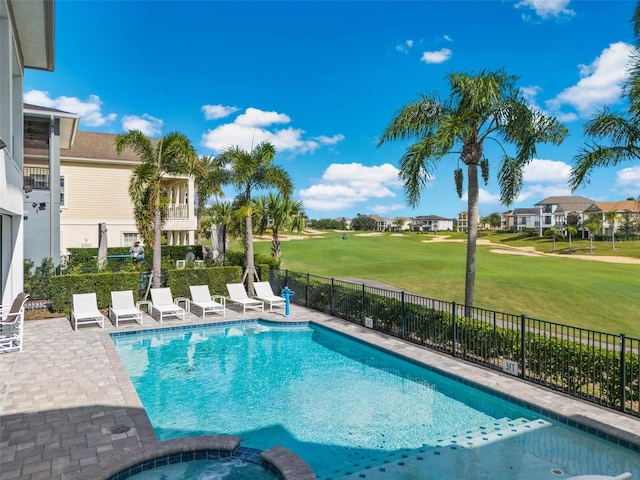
pixel 343 186
pixel 600 84
pixel 150 126
pixel 252 117
pixel 547 8
pixel 448 38
pixel 439 56
pixel 628 181
pixel 537 192
pixel 485 197
pixel 90 110
pixel 214 112
pixel 250 128
pixel 386 209
pixel 405 47
pixel 548 171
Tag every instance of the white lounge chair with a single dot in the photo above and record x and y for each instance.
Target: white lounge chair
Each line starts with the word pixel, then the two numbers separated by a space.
pixel 265 293
pixel 123 307
pixel 202 299
pixel 12 324
pixel 163 303
pixel 85 310
pixel 238 294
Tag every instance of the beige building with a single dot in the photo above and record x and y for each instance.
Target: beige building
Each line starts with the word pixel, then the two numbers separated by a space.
pixel 94 189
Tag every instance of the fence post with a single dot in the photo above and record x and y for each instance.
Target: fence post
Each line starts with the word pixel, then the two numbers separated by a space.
pixel 403 318
pixel 523 353
pixel 362 312
pixel 331 299
pixel 453 329
pixel 307 292
pixel 623 374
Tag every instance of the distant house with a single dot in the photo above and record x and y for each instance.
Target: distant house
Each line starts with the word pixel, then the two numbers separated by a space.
pixel 507 222
pixel 344 221
pixel 628 215
pixel 93 186
pixel 401 224
pixel 524 218
pixel 382 224
pixel 553 211
pixel 432 223
pixel 463 222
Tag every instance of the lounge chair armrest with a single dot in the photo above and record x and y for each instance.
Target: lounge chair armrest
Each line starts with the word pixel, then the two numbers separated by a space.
pixel 219 298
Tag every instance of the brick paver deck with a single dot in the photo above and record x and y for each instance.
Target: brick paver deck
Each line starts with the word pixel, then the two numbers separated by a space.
pixel 65 399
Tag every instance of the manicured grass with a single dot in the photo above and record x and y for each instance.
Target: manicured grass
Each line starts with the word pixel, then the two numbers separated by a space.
pixel 596 295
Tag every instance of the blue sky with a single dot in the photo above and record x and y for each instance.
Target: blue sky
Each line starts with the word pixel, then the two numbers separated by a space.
pixel 321 80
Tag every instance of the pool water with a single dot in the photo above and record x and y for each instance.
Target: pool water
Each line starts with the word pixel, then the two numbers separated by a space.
pixel 227 469
pixel 348 409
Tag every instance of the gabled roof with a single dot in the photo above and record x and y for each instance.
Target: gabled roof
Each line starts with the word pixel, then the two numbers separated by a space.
pixel 524 211
pixel 426 218
pixel 621 206
pixel 100 146
pixel 568 203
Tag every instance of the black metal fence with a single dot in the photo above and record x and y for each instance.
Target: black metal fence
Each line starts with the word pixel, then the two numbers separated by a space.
pixel 599 367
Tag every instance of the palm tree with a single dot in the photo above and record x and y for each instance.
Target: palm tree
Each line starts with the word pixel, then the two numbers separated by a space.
pixel 594 224
pixel 210 175
pixel 171 155
pixel 251 171
pixel 480 107
pixel 614 137
pixel 553 232
pixel 279 215
pixel 222 220
pixel 611 218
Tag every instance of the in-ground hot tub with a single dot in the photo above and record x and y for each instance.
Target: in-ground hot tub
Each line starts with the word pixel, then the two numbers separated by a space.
pixel 193 457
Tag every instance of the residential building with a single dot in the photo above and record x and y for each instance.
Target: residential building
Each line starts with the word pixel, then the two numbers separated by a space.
pixel 463 222
pixel 26 41
pixel 524 218
pixel 628 216
pixel 94 189
pixel 382 224
pixel 401 224
pixel 432 223
pixel 507 222
pixel 554 211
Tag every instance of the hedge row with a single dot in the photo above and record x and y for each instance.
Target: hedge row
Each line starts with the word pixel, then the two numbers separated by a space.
pixel 64 286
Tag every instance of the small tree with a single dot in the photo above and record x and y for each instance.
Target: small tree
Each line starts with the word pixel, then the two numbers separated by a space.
pixel 364 223
pixel 611 218
pixel 553 232
pixel 278 215
pixel 594 224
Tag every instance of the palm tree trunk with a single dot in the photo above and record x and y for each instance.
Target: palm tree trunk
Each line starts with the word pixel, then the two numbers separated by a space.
pixel 157 249
pixel 250 272
pixel 472 234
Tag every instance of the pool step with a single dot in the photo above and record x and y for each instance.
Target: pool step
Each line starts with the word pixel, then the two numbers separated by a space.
pixel 383 466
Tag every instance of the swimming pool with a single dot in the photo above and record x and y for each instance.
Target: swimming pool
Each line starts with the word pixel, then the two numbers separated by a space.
pixel 346 408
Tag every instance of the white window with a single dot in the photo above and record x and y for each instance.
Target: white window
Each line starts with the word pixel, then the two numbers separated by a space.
pixel 129 239
pixel 61 190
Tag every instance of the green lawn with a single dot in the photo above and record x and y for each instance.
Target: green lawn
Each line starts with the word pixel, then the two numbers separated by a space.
pixel 596 295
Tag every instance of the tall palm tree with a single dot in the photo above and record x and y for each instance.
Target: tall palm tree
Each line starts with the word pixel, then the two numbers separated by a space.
pixel 279 215
pixel 171 155
pixel 210 175
pixel 480 107
pixel 250 171
pixel 613 137
pixel 612 217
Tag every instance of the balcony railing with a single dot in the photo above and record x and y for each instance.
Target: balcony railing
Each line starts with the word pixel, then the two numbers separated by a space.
pixel 36 178
pixel 177 211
